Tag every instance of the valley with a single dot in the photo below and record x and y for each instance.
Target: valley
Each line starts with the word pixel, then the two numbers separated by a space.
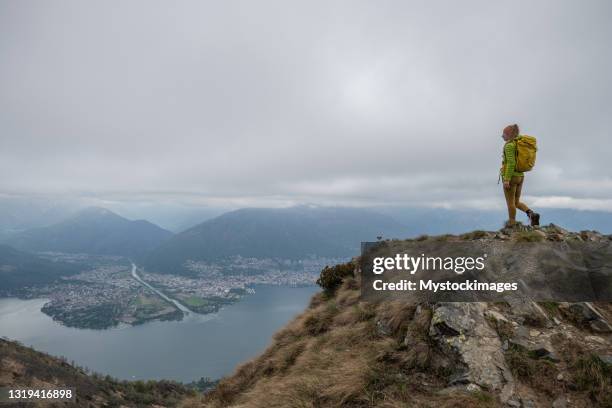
pixel 108 293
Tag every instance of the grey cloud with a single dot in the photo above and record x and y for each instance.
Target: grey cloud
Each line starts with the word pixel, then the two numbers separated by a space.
pixel 232 103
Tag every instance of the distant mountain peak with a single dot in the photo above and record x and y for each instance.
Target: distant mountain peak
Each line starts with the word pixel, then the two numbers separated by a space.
pixel 295 232
pixel 97 212
pixel 94 230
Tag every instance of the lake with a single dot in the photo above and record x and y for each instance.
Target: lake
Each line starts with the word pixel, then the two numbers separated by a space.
pixel 199 346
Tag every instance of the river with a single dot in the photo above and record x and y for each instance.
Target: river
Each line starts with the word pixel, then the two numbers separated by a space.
pixel 200 346
pixel 179 305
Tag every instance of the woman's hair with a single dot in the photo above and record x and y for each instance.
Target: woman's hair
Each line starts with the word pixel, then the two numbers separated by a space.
pixel 512 130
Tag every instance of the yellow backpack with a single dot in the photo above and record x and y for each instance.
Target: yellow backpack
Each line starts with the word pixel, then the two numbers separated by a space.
pixel 526 149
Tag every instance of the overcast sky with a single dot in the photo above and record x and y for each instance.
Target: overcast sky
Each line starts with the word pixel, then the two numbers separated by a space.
pixel 261 103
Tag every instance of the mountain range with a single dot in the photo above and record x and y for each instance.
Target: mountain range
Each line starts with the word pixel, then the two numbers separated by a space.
pixel 289 233
pixel 93 230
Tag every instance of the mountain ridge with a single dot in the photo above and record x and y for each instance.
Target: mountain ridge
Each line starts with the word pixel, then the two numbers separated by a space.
pixel 93 230
pixel 289 233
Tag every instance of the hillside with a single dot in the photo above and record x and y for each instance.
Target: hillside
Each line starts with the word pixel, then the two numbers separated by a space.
pixel 345 352
pixel 19 269
pixel 94 231
pixel 23 367
pixel 290 233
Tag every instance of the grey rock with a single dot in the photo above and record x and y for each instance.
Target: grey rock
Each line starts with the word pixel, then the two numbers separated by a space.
pixel 418 310
pixel 600 326
pixel 461 330
pixel 559 402
pixel 606 358
pixel 528 404
pixel 540 233
pixel 520 337
pixel 495 315
pixel 555 228
pixel 459 389
pixel 591 235
pixel 545 350
pixel 513 403
pixel 408 340
pixel 586 314
pixel 472 388
pixel 531 313
pixel 540 347
pixel 582 312
pixel 595 339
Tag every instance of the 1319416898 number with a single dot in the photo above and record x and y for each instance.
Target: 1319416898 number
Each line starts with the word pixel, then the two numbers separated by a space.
pixel 10 394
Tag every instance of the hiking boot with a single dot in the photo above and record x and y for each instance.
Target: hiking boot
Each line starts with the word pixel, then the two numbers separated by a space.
pixel 534 218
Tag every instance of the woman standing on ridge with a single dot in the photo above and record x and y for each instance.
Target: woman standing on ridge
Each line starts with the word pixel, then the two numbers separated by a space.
pixel 513 179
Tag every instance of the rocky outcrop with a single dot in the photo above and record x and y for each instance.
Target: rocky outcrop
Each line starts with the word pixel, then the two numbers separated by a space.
pixel 586 314
pixel 462 331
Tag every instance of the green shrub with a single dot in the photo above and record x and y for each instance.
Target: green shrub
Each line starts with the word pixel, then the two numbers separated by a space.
pixel 331 277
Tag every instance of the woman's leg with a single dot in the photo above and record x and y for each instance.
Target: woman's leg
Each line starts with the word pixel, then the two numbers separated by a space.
pixel 518 181
pixel 510 194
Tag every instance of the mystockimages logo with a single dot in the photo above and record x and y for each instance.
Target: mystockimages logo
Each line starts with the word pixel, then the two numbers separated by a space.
pixel 413 264
pixel 439 274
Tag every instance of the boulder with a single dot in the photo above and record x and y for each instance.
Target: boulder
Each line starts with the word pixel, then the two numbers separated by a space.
pixel 585 314
pixel 529 311
pixel 606 359
pixel 539 346
pixel 461 331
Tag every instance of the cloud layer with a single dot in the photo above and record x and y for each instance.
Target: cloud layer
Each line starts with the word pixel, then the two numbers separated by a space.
pixel 270 102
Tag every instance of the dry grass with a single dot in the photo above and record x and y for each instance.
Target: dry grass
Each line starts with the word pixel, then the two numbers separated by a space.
pixel 528 236
pixel 594 376
pixel 345 352
pixel 335 355
pixel 588 374
pixel 396 316
pixel 540 374
pixel 474 235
